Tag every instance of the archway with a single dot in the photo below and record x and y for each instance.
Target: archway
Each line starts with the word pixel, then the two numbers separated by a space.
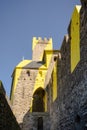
pixel 38 104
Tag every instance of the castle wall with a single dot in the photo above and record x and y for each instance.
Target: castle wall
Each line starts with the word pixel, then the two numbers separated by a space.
pixel 60 76
pixel 38 47
pixel 36 121
pixel 69 111
pixel 29 90
pixel 7 119
pixel 63 63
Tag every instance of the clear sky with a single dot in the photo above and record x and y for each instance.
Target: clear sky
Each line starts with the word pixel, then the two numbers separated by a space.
pixel 21 20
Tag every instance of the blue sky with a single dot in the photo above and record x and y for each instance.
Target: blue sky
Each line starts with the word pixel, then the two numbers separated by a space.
pixel 21 20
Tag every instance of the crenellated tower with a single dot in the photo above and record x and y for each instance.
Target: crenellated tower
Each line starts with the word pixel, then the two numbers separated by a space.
pixel 30 81
pixel 38 47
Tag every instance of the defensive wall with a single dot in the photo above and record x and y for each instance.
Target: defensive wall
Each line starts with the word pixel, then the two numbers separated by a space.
pixel 49 92
pixel 7 119
pixel 69 111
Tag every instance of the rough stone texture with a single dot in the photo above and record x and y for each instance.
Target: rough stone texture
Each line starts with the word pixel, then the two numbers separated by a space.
pixel 84 3
pixel 24 94
pixel 32 121
pixel 37 54
pixel 50 68
pixel 7 119
pixel 63 87
pixel 69 110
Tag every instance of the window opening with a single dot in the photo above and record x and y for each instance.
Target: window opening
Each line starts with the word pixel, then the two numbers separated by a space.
pixel 28 72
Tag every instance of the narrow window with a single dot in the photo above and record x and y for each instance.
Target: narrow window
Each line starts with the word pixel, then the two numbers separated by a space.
pixel 28 72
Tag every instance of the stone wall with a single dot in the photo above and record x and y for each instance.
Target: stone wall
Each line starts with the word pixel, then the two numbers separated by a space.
pixel 69 111
pixel 7 119
pixel 36 121
pixel 24 94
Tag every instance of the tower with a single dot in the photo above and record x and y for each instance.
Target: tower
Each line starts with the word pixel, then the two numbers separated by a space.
pixel 29 85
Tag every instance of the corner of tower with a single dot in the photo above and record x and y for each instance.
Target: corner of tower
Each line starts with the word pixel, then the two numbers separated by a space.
pixel 39 45
pixel 34 42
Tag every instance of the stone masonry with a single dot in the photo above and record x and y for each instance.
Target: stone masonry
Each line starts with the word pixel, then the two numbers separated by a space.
pixel 7 119
pixel 46 93
pixel 69 111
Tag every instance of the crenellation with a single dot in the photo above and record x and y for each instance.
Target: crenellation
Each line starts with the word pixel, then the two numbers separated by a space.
pixel 40 40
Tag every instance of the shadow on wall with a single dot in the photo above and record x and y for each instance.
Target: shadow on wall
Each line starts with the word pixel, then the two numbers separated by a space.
pixel 7 118
pixel 38 104
pixel 38 119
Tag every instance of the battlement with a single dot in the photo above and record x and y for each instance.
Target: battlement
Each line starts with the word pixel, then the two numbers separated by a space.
pixel 36 40
pixel 42 40
pixel 38 47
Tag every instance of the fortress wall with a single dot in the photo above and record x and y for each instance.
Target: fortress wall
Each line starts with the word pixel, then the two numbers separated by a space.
pixel 66 108
pixel 7 119
pixel 62 80
pixel 70 108
pixel 83 31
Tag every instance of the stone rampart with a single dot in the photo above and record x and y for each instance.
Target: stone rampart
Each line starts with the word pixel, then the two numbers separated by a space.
pixel 7 119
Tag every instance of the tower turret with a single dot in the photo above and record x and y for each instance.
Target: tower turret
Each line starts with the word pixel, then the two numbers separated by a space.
pixel 38 47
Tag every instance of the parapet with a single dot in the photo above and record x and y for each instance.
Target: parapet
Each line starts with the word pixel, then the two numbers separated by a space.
pixel 40 40
pixel 44 40
pixel 38 47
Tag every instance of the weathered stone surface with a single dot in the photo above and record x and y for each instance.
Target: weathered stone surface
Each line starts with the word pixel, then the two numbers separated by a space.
pixel 23 94
pixel 7 119
pixel 69 110
pixel 84 3
pixel 33 119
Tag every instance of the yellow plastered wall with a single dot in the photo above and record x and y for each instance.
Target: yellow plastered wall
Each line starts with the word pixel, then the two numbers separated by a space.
pixel 39 82
pixel 34 42
pixel 55 82
pixel 48 43
pixel 45 101
pixel 16 76
pixel 42 71
pixel 49 46
pixel 48 57
pixel 75 37
pixel 43 68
